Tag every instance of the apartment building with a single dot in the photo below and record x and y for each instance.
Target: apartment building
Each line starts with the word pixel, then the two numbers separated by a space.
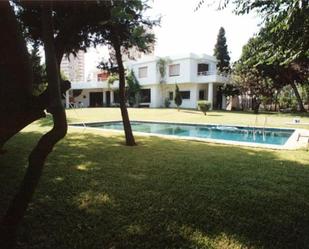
pixel 73 67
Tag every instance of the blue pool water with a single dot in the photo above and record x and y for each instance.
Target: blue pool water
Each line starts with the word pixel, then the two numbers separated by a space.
pixel 222 132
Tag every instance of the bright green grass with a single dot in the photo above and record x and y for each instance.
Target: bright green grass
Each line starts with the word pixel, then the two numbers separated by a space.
pixel 214 117
pixel 97 193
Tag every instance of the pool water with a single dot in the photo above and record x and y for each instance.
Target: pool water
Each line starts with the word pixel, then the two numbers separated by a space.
pixel 221 132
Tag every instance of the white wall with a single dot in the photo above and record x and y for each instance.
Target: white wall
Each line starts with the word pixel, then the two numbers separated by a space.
pixel 156 96
pixel 186 103
pixel 152 73
pixel 188 70
pixel 81 98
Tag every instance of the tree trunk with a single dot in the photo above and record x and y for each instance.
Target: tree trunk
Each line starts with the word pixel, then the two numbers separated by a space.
pixel 299 100
pixel 276 102
pixel 18 206
pixel 13 56
pixel 122 96
pixel 256 105
pixel 16 121
pixel 15 88
pixel 18 108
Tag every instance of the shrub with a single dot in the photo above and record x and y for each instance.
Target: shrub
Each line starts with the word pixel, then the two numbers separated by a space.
pixel 204 106
pixel 178 98
pixel 167 102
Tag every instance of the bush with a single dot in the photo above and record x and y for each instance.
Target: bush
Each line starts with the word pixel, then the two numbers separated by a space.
pixel 204 105
pixel 178 98
pixel 167 102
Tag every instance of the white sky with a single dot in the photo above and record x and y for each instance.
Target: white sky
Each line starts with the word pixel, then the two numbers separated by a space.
pixel 182 30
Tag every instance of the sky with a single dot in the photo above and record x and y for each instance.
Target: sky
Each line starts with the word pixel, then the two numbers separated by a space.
pixel 183 31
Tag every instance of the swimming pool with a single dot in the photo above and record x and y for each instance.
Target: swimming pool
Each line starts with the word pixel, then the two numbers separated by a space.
pixel 240 134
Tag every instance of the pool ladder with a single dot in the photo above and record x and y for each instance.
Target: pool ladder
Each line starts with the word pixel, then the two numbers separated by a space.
pixel 263 129
pixel 74 109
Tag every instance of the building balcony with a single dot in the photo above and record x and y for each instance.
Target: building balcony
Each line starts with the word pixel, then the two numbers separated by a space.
pixel 93 85
pixel 211 76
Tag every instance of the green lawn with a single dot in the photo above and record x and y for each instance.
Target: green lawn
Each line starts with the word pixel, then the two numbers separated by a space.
pixel 215 117
pixel 97 193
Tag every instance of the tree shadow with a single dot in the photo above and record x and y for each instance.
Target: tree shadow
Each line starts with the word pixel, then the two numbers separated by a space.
pixel 209 113
pixel 97 193
pixel 48 121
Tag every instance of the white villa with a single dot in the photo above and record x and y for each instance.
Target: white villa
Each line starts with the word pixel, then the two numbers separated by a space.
pixel 196 76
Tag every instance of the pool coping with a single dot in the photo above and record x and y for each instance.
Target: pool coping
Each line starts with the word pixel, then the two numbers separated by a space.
pixel 291 144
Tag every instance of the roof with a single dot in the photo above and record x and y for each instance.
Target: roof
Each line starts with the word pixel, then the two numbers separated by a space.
pixel 149 59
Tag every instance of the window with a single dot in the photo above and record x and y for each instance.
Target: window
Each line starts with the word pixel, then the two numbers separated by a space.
pixel 201 95
pixel 142 72
pixel 145 95
pixel 185 94
pixel 174 70
pixel 170 95
pixel 202 69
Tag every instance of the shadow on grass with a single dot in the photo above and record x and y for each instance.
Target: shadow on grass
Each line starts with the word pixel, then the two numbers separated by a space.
pixel 209 113
pixel 96 193
pixel 48 121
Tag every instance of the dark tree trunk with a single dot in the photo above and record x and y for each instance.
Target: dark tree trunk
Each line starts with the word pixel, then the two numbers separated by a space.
pixel 276 102
pixel 122 96
pixel 256 105
pixel 13 57
pixel 18 108
pixel 16 121
pixel 15 88
pixel 18 207
pixel 299 100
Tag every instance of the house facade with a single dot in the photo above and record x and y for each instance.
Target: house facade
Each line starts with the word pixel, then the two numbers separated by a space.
pixel 195 75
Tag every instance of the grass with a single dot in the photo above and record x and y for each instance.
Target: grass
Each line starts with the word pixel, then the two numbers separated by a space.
pixel 97 193
pixel 214 117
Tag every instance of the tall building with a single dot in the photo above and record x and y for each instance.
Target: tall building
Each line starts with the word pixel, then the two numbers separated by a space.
pixel 73 67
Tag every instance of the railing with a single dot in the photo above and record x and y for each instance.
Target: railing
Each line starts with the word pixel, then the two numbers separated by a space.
pixel 205 73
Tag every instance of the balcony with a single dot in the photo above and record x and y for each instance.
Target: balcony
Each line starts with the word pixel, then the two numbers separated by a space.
pixel 93 85
pixel 211 76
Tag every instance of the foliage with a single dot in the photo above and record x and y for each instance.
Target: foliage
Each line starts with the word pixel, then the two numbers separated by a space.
pixel 287 99
pixel 289 30
pixel 178 97
pixel 258 54
pixel 249 77
pixel 251 70
pixel 167 102
pixel 75 26
pixel 39 71
pixel 204 105
pixel 128 25
pixel 133 89
pixel 112 78
pixel 230 90
pixel 63 76
pixel 305 93
pixel 221 53
pixel 108 65
pixel 161 67
pixel 283 41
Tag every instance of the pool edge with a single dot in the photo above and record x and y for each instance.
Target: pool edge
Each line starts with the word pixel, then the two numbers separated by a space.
pixel 291 143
